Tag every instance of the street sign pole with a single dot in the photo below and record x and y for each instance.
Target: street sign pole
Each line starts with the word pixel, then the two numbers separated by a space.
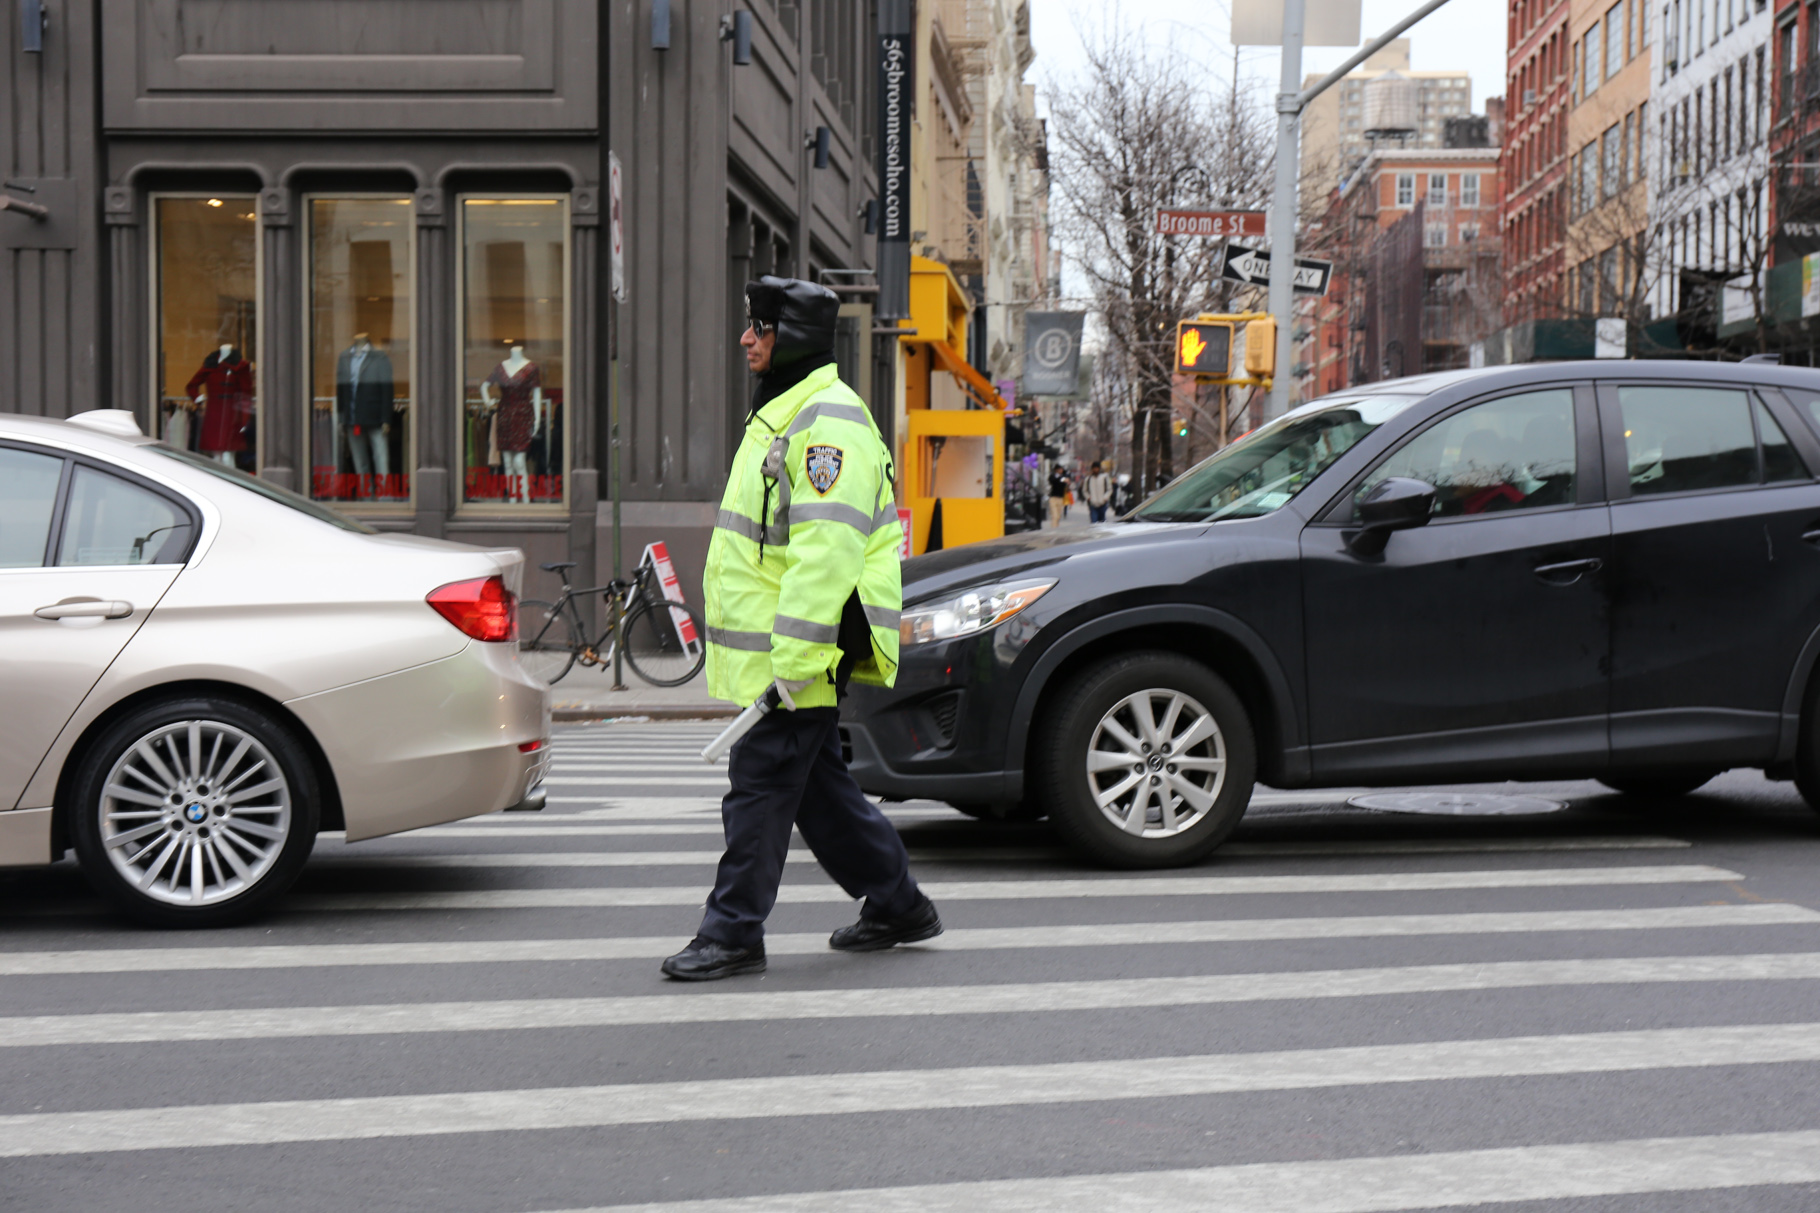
pixel 1290 104
pixel 1283 206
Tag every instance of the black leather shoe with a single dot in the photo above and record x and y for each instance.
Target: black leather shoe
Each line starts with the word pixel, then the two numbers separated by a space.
pixel 709 960
pixel 877 934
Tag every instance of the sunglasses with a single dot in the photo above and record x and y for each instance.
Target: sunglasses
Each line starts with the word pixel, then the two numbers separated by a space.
pixel 760 327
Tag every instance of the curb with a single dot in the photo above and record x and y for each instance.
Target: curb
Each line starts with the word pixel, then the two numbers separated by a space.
pixel 704 711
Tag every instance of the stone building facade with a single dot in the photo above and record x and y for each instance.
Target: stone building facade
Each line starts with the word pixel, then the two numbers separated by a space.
pixel 358 247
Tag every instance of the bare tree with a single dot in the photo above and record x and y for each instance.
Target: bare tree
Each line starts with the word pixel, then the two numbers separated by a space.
pixel 1142 129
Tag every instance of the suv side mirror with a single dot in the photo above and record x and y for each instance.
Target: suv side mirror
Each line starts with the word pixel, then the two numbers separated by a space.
pixel 1395 504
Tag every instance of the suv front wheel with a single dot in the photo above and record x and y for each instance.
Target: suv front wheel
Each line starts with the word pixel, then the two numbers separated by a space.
pixel 1147 761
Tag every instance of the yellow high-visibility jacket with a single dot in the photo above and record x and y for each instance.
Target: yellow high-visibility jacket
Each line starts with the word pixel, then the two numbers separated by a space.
pixel 783 563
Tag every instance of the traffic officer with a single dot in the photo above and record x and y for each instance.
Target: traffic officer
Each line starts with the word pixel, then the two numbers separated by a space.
pixel 803 593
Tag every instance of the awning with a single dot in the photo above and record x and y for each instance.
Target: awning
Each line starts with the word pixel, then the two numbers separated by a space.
pixel 978 388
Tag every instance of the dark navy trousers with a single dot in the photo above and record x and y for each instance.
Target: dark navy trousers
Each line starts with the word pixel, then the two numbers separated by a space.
pixel 789 771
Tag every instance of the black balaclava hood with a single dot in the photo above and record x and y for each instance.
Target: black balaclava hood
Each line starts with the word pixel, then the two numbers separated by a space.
pixel 804 315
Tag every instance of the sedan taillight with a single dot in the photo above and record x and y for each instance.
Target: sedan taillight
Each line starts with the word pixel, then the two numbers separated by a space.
pixel 482 608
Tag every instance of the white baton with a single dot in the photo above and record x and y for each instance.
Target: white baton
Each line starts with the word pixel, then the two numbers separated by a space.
pixel 742 724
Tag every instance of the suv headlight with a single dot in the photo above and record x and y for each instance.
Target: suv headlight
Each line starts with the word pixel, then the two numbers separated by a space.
pixel 973 611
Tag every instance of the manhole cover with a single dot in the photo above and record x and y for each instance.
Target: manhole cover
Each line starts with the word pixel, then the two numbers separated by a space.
pixel 1456 804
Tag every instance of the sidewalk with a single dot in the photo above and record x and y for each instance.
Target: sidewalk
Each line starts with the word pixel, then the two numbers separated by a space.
pixel 587 694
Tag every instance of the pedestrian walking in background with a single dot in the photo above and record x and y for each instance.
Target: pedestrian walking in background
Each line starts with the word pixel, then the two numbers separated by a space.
pixel 1098 490
pixel 803 593
pixel 1058 496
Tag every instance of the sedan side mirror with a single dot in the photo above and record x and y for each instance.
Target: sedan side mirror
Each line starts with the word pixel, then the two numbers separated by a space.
pixel 1395 504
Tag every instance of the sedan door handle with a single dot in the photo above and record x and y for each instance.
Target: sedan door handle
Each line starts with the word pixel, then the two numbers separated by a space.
pixel 1812 536
pixel 85 608
pixel 1567 572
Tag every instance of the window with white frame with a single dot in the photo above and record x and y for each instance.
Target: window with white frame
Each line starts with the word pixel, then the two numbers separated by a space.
pixel 1406 189
pixel 1469 233
pixel 1469 189
pixel 1437 189
pixel 1435 235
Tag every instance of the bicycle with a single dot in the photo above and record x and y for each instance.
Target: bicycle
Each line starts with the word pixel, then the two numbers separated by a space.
pixel 664 641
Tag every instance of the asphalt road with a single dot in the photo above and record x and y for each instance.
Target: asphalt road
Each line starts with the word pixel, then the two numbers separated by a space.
pixel 1611 1007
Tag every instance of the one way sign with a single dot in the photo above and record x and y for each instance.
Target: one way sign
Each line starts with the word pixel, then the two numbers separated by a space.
pixel 1253 266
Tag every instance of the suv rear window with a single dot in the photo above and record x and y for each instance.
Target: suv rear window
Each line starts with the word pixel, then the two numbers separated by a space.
pixel 1265 469
pixel 265 489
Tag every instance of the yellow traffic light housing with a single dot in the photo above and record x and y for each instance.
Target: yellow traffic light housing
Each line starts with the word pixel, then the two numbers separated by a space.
pixel 1203 349
pixel 1261 347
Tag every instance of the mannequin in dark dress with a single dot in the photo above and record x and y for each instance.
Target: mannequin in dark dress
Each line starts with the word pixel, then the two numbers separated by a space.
pixel 519 383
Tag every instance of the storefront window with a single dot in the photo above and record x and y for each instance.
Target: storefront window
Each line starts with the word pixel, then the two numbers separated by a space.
pixel 207 297
pixel 360 349
pixel 514 327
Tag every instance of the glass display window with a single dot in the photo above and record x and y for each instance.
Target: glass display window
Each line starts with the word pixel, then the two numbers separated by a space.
pixel 205 291
pixel 361 272
pixel 514 345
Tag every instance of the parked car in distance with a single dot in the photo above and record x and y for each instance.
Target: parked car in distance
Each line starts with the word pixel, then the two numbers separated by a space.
pixel 202 670
pixel 1561 571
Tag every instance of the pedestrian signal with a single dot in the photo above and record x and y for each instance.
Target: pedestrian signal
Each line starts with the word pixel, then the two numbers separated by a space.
pixel 1261 347
pixel 1203 349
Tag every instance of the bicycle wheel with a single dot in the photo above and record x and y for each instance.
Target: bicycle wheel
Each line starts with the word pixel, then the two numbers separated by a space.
pixel 546 640
pixel 666 643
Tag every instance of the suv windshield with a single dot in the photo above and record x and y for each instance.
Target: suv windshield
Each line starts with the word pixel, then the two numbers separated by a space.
pixel 1267 467
pixel 266 489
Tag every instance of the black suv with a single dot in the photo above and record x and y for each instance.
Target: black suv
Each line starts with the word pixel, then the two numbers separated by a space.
pixel 1574 570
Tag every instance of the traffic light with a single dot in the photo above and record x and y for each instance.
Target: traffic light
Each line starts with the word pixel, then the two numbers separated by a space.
pixel 1261 347
pixel 1203 348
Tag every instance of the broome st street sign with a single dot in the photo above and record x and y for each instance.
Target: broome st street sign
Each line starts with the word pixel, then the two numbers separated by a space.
pixel 1210 223
pixel 1252 267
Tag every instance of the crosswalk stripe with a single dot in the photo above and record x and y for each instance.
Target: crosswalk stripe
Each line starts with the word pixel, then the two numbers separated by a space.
pixel 799 853
pixel 517 951
pixel 88 1132
pixel 662 859
pixel 557 828
pixel 1458 1178
pixel 922 1002
pixel 1034 889
pixel 680 787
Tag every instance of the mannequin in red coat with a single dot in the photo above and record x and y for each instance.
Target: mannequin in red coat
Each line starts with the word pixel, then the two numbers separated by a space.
pixel 226 380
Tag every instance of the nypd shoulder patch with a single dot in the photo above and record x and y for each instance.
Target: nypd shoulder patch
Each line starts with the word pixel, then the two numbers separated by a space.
pixel 823 465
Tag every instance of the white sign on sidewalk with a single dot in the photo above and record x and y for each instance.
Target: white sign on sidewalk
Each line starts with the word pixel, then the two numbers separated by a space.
pixel 657 555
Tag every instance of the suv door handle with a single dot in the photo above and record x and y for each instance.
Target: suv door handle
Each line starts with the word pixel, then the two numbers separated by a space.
pixel 1567 572
pixel 85 608
pixel 1812 536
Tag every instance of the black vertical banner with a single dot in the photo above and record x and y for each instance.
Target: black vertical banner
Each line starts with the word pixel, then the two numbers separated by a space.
pixel 896 96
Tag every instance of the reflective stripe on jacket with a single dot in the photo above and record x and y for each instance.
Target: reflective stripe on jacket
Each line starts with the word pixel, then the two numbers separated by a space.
pixel 782 564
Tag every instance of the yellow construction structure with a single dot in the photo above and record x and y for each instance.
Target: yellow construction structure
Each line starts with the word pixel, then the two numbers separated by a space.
pixel 952 467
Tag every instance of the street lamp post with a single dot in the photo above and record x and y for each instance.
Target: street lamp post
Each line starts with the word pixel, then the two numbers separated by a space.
pixel 1290 104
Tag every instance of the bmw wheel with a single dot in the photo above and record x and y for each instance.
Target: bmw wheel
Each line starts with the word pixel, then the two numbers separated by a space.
pixel 1148 762
pixel 194 812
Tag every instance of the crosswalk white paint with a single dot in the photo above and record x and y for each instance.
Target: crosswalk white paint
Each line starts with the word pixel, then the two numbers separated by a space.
pixel 38 1134
pixel 1459 1178
pixel 672 859
pixel 1034 889
pixel 958 939
pixel 674 801
pixel 800 853
pixel 920 1002
pixel 610 823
